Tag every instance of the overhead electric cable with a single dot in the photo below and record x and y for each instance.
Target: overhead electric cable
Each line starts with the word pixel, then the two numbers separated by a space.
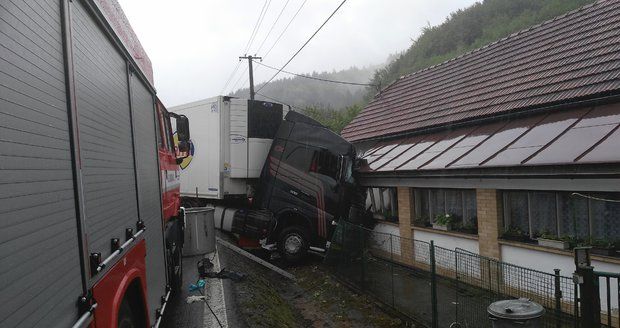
pixel 272 46
pixel 280 101
pixel 257 25
pixel 239 80
pixel 230 77
pixel 303 46
pixel 318 78
pixel 272 26
pixel 596 198
pixel 285 28
pixel 263 11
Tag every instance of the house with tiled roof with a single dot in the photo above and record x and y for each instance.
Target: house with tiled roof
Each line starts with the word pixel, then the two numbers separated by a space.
pixel 516 142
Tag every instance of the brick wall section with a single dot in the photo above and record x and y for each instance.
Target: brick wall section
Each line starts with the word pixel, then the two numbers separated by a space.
pixel 489 203
pixel 405 218
pixel 405 211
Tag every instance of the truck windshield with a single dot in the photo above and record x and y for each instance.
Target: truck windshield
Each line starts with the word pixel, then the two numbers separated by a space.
pixel 348 171
pixel 325 163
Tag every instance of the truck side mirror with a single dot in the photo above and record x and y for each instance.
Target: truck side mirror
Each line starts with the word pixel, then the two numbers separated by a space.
pixel 182 129
pixel 341 167
pixel 183 146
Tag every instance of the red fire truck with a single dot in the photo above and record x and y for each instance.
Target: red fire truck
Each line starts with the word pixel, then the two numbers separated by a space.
pixel 90 225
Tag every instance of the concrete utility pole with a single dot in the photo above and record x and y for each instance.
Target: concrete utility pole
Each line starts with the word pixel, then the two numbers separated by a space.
pixel 250 58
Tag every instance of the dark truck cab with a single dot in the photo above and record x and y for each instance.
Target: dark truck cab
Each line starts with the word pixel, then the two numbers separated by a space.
pixel 307 183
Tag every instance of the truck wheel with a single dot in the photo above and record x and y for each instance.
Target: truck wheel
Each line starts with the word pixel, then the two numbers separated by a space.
pixel 293 243
pixel 126 317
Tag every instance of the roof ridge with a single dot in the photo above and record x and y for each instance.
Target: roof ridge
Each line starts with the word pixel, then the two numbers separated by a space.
pixel 496 42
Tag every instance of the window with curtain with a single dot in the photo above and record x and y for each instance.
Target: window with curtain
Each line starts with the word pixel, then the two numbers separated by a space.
pixel 580 218
pixel 460 204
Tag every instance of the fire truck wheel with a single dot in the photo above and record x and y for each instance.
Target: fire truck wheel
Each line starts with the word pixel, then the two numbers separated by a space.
pixel 175 269
pixel 293 243
pixel 179 277
pixel 126 317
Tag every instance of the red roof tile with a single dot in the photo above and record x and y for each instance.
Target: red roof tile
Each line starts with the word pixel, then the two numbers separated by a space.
pixel 572 57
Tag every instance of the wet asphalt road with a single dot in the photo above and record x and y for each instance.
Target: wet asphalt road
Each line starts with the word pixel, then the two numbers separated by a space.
pixel 180 314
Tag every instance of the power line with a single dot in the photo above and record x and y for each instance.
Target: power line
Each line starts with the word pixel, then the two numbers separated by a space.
pixel 230 77
pixel 239 80
pixel 272 26
pixel 263 11
pixel 272 46
pixel 318 78
pixel 304 45
pixel 285 28
pixel 257 25
pixel 280 101
pixel 596 198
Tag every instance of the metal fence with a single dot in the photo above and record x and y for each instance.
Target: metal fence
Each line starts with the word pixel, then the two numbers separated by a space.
pixel 609 281
pixel 436 286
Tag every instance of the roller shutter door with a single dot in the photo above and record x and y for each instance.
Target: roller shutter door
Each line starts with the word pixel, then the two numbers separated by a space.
pixel 148 183
pixel 104 124
pixel 40 277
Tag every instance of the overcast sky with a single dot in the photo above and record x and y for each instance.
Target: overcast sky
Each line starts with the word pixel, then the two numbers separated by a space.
pixel 194 45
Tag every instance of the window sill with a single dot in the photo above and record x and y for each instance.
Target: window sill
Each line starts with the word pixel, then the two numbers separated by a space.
pixel 447 233
pixel 535 247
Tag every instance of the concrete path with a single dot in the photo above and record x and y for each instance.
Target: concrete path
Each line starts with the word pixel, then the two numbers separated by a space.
pixel 214 290
pixel 180 314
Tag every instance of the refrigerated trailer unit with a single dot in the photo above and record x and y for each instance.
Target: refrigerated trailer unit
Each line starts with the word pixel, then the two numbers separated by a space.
pixel 90 229
pixel 231 138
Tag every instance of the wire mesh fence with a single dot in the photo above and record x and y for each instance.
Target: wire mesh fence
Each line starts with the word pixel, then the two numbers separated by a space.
pixel 436 286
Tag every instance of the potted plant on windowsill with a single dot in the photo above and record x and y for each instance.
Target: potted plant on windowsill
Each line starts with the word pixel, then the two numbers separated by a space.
pixel 421 222
pixel 469 228
pixel 547 239
pixel 605 247
pixel 443 222
pixel 516 234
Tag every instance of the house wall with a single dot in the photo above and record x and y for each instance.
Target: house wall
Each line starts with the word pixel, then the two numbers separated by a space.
pixel 447 241
pixel 488 242
pixel 547 262
pixel 382 238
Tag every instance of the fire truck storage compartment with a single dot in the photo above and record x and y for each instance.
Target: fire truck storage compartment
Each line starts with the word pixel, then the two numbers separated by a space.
pixel 40 277
pixel 120 173
pixel 231 139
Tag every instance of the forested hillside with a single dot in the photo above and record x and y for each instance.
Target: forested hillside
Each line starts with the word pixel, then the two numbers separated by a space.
pixel 471 28
pixel 463 31
pixel 303 93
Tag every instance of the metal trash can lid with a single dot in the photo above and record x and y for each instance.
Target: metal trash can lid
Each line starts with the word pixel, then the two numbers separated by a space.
pixel 519 309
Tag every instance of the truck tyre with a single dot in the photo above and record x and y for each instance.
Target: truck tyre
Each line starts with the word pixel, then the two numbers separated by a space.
pixel 293 243
pixel 126 317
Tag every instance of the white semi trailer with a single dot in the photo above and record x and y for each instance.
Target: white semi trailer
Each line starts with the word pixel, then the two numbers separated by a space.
pixel 230 144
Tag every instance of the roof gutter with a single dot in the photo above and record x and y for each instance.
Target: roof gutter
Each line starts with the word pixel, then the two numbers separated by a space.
pixel 571 171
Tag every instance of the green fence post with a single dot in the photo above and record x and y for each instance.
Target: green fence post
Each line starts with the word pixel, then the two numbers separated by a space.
pixel 558 298
pixel 456 290
pixel 362 242
pixel 435 323
pixel 342 246
pixel 392 268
